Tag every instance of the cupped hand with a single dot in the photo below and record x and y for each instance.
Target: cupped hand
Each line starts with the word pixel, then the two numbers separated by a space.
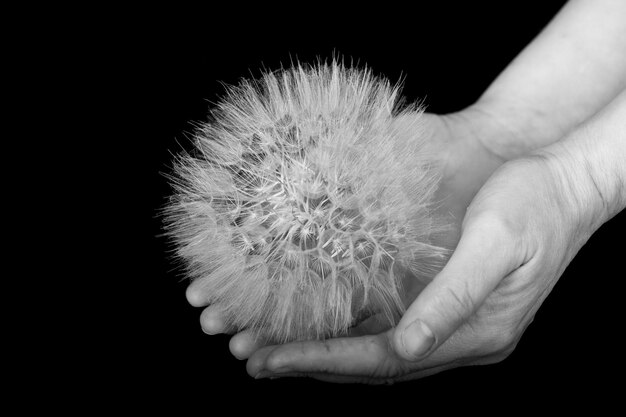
pixel 518 235
pixel 467 165
pixel 516 238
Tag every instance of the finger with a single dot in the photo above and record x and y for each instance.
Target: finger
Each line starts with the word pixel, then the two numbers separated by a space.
pixel 347 379
pixel 486 253
pixel 337 379
pixel 212 321
pixel 350 379
pixel 365 356
pixel 256 362
pixel 244 344
pixel 196 294
pixel 360 359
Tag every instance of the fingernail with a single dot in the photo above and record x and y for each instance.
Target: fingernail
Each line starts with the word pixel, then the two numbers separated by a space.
pixel 417 340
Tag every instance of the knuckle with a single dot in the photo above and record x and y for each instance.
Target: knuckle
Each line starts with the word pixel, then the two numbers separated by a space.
pixel 502 232
pixel 498 226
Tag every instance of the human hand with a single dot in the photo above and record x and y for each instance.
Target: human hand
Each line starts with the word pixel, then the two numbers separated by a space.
pixel 520 232
pixel 538 99
pixel 467 163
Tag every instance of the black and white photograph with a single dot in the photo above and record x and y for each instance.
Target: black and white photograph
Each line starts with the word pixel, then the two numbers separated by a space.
pixel 384 205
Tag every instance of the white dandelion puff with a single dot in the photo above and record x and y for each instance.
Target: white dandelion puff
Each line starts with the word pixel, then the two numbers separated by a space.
pixel 305 205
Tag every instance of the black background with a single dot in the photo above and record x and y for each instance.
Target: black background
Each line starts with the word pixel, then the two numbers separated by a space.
pixel 164 70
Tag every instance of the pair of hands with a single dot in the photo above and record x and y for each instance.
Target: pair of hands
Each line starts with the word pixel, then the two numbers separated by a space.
pixel 512 243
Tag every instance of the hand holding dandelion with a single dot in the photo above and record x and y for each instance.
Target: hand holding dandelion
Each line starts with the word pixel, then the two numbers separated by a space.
pixel 524 225
pixel 520 232
pixel 515 242
pixel 307 205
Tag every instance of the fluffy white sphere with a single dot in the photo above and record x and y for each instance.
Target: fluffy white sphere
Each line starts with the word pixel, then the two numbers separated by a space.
pixel 305 204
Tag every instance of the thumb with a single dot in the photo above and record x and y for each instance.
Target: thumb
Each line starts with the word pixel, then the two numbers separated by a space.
pixel 485 254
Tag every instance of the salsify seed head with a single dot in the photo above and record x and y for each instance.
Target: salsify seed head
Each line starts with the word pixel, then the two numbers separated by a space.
pixel 305 204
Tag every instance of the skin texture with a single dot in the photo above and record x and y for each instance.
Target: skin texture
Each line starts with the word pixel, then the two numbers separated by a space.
pixel 532 170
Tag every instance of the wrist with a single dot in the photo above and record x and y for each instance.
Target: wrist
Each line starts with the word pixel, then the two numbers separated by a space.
pixel 590 164
pixel 515 129
pixel 479 127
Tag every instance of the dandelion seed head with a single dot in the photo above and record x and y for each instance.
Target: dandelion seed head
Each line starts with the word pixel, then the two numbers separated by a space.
pixel 305 201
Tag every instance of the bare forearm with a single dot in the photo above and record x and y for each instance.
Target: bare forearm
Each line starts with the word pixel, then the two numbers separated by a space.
pixel 592 162
pixel 570 71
